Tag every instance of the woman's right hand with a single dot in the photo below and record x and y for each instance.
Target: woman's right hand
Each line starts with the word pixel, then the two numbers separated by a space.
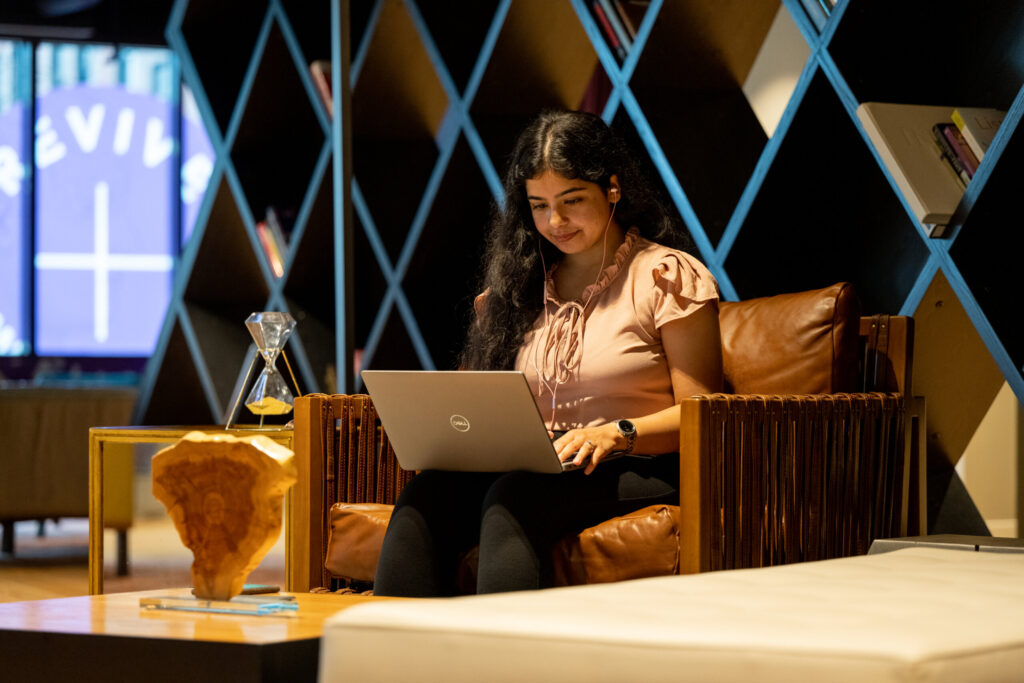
pixel 590 445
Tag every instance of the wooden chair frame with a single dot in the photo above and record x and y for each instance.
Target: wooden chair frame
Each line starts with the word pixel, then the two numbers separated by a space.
pixel 764 479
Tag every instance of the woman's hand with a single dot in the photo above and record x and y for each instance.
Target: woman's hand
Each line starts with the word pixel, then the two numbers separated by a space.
pixel 590 444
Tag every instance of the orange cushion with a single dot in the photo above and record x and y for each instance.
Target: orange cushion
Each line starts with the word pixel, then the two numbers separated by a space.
pixel 636 545
pixel 641 543
pixel 802 343
pixel 354 539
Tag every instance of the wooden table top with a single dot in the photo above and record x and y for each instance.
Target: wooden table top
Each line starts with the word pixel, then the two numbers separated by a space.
pixel 119 614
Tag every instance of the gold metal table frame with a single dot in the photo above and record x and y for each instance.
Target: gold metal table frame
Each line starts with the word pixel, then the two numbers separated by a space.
pixel 102 440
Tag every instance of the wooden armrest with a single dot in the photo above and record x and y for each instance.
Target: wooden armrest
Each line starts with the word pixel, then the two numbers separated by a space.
pixel 343 455
pixel 775 479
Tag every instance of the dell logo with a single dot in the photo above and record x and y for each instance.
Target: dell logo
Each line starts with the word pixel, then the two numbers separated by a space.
pixel 459 423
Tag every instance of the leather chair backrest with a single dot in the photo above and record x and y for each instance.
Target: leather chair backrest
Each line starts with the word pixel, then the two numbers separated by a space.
pixel 801 343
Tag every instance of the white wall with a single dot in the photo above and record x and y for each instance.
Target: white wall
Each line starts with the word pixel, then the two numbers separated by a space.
pixel 776 70
pixel 991 465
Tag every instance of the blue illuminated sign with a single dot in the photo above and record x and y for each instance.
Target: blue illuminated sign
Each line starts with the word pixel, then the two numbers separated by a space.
pixel 105 183
pixel 12 174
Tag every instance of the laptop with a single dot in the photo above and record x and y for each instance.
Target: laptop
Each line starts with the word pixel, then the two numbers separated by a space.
pixel 464 421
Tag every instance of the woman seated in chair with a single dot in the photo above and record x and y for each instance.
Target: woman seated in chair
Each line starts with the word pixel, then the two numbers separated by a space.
pixel 586 292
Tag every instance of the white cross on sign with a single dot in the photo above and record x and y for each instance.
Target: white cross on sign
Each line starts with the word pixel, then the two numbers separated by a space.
pixel 101 261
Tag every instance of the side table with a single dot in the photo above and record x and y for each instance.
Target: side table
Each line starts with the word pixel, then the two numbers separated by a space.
pixel 103 440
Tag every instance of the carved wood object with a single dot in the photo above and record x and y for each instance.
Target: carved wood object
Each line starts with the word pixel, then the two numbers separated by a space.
pixel 224 494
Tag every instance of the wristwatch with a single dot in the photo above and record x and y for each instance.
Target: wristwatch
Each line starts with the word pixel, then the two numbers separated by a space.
pixel 628 430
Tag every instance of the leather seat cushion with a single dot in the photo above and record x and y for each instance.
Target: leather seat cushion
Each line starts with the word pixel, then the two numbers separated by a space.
pixel 639 544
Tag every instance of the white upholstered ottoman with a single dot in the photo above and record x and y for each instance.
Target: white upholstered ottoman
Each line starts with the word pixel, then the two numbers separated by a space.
pixel 920 614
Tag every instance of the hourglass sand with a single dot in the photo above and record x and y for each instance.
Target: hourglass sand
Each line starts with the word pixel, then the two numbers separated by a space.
pixel 270 394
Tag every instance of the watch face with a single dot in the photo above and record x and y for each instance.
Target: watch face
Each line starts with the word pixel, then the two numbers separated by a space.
pixel 628 430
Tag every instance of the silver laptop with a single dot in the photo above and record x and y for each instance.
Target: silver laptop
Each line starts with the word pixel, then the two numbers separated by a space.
pixel 462 421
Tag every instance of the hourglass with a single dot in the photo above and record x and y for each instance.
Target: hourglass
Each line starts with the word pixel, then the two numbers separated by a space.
pixel 270 394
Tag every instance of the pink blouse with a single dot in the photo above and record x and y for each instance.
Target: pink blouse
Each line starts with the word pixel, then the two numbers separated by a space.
pixel 618 368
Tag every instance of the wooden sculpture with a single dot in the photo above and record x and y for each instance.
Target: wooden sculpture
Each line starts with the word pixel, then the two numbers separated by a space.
pixel 224 494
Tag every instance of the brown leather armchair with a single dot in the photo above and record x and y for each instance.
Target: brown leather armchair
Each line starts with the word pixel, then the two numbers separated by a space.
pixel 808 457
pixel 45 465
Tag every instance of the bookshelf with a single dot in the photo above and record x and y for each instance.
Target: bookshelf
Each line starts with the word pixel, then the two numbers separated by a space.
pixel 389 202
pixel 248 65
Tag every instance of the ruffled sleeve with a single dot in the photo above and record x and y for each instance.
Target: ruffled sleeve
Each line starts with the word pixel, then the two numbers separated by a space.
pixel 682 285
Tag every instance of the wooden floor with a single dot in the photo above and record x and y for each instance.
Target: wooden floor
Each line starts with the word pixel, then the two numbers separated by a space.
pixel 56 565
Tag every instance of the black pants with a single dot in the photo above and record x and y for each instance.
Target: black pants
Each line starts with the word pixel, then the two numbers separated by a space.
pixel 516 518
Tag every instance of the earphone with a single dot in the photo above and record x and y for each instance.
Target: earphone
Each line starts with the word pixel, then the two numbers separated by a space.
pixel 613 194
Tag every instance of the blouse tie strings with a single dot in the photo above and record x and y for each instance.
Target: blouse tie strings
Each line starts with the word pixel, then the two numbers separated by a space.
pixel 559 356
pixel 561 352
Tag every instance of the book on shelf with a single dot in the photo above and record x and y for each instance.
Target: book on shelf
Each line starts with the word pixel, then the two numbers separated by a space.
pixel 953 145
pixel 277 228
pixel 815 12
pixel 615 20
pixel 609 32
pixel 320 70
pixel 631 13
pixel 598 90
pixel 978 125
pixel 949 155
pixel 270 248
pixel 902 135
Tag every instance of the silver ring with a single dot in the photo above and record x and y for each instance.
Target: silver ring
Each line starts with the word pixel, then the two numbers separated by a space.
pixel 590 443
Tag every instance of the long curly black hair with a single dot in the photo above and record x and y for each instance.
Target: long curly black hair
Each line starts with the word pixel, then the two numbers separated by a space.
pixel 575 145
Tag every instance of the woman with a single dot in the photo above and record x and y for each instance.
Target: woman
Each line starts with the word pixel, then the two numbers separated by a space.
pixel 611 326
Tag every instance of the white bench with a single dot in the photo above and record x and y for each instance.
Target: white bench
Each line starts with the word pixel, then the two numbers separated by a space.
pixel 914 614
